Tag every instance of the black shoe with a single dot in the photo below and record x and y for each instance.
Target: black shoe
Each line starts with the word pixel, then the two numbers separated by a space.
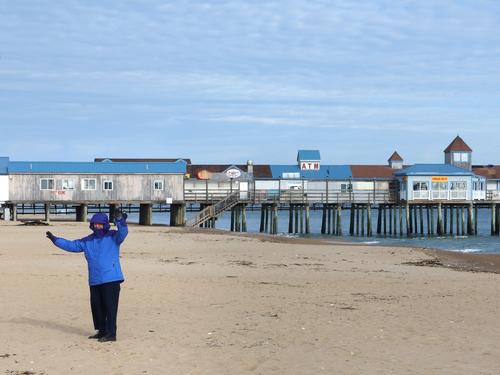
pixel 98 335
pixel 107 338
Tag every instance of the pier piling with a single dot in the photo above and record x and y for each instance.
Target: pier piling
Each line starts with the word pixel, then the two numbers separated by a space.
pixel 308 224
pixel 145 214
pixel 47 212
pixel 81 212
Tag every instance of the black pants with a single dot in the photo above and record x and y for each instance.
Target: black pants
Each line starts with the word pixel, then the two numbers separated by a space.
pixel 104 305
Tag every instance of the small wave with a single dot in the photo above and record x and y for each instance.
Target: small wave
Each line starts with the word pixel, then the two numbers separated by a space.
pixel 288 235
pixel 469 250
pixel 370 242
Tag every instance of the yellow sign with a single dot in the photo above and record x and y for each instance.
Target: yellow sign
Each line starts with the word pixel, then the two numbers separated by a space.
pixel 439 179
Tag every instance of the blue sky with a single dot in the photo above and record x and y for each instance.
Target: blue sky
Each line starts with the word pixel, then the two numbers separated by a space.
pixel 226 81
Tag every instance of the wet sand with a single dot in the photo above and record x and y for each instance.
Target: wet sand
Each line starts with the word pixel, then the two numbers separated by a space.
pixel 201 302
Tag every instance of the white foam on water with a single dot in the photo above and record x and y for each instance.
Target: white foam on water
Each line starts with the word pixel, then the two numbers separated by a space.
pixel 468 250
pixel 370 242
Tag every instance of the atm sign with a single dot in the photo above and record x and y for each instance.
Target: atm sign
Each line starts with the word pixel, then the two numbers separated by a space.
pixel 439 179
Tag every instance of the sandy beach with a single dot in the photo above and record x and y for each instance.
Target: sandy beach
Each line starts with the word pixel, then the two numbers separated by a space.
pixel 196 302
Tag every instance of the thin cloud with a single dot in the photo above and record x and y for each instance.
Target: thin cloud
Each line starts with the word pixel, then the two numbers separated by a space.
pixel 334 68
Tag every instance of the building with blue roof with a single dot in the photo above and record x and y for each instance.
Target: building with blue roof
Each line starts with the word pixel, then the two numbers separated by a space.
pixel 4 165
pixel 308 156
pixel 4 179
pixel 441 182
pixel 92 182
pixel 15 167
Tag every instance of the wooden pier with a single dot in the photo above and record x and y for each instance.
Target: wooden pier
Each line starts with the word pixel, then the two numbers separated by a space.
pixel 368 214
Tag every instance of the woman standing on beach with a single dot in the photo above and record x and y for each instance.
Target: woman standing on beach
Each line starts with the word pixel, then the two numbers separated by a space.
pixel 102 251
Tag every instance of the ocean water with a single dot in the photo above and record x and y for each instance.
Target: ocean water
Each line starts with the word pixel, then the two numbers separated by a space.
pixel 481 243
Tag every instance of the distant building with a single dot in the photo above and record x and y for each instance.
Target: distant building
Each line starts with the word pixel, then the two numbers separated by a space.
pixel 439 182
pixel 395 161
pixel 4 180
pixel 459 154
pixel 309 160
pixel 94 182
pixel 492 175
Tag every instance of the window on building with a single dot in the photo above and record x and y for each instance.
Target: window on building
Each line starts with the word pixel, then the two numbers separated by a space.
pixel 462 157
pixel 47 184
pixel 346 187
pixel 290 175
pixel 458 185
pixel 478 185
pixel 68 184
pixel 89 184
pixel 158 185
pixel 439 186
pixel 107 185
pixel 420 185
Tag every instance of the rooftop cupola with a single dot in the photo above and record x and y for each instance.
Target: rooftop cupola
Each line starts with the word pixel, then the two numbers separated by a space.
pixel 459 154
pixel 309 159
pixel 395 161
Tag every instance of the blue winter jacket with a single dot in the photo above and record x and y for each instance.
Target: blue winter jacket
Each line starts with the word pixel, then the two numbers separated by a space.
pixel 102 253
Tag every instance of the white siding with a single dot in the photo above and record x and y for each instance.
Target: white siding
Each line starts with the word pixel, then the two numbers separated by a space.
pixel 362 185
pixel 267 185
pixel 126 188
pixel 4 188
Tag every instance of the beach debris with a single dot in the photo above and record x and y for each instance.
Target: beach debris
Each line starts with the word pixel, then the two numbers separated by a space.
pixel 347 308
pixel 176 260
pixel 426 263
pixel 245 263
pixel 271 265
pixel 270 315
pixel 35 223
pixel 4 355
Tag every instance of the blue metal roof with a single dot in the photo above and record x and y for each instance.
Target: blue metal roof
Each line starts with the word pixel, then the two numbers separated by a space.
pixel 326 172
pixel 4 163
pixel 433 170
pixel 95 167
pixel 308 155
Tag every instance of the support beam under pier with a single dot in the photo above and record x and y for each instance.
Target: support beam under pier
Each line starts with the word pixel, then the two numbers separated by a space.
pixel 81 212
pixel 177 215
pixel 146 214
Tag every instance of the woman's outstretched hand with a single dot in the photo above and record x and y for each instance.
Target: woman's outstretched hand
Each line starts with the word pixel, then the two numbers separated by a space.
pixel 119 215
pixel 50 236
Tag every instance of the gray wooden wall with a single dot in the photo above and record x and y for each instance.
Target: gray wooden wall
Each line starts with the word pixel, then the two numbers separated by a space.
pixel 126 188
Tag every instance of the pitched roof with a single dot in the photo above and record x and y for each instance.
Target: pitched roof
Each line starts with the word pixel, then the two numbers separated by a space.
pixel 491 172
pixel 383 172
pixel 259 170
pixel 459 145
pixel 142 160
pixel 433 170
pixel 395 157
pixel 93 167
pixel 326 172
pixel 308 155
pixel 4 164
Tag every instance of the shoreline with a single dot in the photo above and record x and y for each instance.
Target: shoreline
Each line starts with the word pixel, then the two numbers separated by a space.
pixel 458 261
pixel 455 260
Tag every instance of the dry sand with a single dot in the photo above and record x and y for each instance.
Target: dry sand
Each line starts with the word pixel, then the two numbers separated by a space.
pixel 201 303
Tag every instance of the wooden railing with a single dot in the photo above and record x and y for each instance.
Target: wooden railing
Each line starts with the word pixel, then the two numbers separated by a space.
pixel 211 196
pixel 215 210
